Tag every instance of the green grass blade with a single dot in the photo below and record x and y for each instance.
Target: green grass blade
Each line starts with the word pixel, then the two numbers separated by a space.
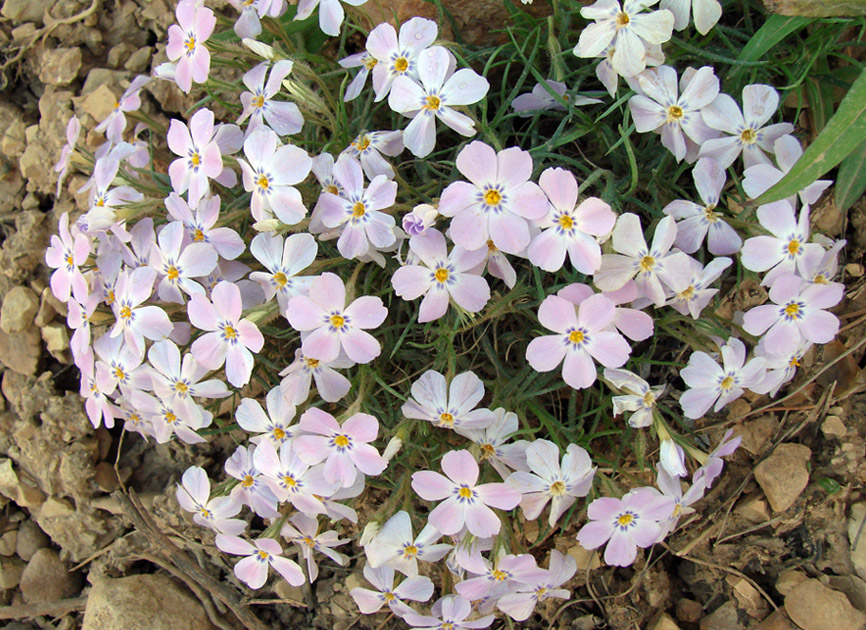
pixel 851 180
pixel 845 131
pixel 774 30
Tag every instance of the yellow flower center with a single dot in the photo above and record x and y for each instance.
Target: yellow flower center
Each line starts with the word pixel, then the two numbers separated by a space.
pixel 576 336
pixel 498 575
pixel 181 388
pixel 433 103
pixel 557 489
pixel 441 274
pixel 410 551
pixel 540 592
pixel 370 63
pixel 487 450
pixel 312 363
pixel 748 136
pixel 625 519
pixel 70 260
pixel 258 101
pixel 727 383
pixel 134 418
pixel 263 182
pixel 338 321
pixel 195 158
pixel 341 441
pixel 492 197
pixel 820 279
pixel 170 418
pixel 198 236
pixel 792 310
pixel 109 299
pixel 190 44
pixel 710 213
pixel 309 542
pixel 358 210
pixel 649 399
pixel 125 312
pixel 622 19
pixel 100 201
pixel 647 263
pixel 687 293
pixel 278 433
pixel 332 188
pixel 280 279
pixel 566 222
pixel 389 596
pixel 289 481
pixel 447 419
pixel 119 374
pixel 675 113
pixel 465 493
pixel 794 362
pixel 172 273
pixel 230 332
pixel 262 554
pixel 206 513
pixel 793 247
pixel 401 64
pixel 491 248
pixel 364 143
pixel 248 481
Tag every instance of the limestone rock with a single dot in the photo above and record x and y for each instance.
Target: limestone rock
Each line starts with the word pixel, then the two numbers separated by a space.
pixel 778 620
pixel 10 572
pixel 18 309
pixel 585 558
pixel 60 66
pixel 833 427
pixel 56 338
pixel 813 606
pixel 30 539
pixel 784 475
pixel 788 580
pixel 858 553
pixel 8 542
pixel 754 509
pixel 664 622
pixel 138 60
pixel 45 578
pixel 99 103
pixel 23 10
pixel 722 618
pixel 154 602
pixel 20 352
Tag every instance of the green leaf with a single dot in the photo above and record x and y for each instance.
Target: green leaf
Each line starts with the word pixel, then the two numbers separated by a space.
pixel 851 180
pixel 845 131
pixel 774 30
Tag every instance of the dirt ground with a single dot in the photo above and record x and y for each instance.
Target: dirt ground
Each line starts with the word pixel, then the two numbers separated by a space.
pixel 772 547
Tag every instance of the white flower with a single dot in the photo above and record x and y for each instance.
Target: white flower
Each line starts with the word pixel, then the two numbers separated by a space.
pixel 706 12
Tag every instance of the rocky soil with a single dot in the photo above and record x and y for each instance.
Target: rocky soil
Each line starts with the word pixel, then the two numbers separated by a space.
pixel 779 544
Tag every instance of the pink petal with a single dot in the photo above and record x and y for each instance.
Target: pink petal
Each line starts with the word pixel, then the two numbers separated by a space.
pixel 461 467
pixel 321 344
pixel 545 353
pixel 328 291
pixel 367 312
pixel 477 161
pixel 431 486
pixel 481 520
pixel 360 346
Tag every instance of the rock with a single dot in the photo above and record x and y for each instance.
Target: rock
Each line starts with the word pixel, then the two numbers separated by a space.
pixel 45 578
pixel 11 487
pixel 788 580
pixel 30 539
pixel 853 587
pixel 664 622
pixel 56 338
pixel 8 542
pixel 585 558
pixel 19 307
pixel 24 10
pixel 10 572
pixel 138 60
pixel 20 352
pixel 60 66
pixel 777 620
pixel 833 427
pixel 105 477
pixel 722 618
pixel 784 475
pixel 748 598
pixel 689 611
pixel 154 602
pixel 858 553
pixel 813 606
pixel 99 103
pixel 755 433
pixel 753 509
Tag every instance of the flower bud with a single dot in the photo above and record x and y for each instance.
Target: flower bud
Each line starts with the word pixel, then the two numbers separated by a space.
pixel 422 217
pixel 370 532
pixel 673 459
pixel 266 225
pixel 392 449
pixel 262 50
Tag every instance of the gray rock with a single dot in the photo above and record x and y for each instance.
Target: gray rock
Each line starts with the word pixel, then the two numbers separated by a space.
pixel 155 602
pixel 18 309
pixel 23 10
pixel 813 606
pixel 30 539
pixel 46 578
pixel 784 475
pixel 8 542
pixel 20 352
pixel 10 572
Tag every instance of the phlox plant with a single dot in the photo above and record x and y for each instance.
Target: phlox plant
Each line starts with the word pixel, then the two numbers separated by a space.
pixel 439 307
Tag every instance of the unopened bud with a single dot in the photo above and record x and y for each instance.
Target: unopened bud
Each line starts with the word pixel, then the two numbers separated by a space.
pixel 392 449
pixel 262 50
pixel 266 225
pixel 673 459
pixel 421 218
pixel 370 532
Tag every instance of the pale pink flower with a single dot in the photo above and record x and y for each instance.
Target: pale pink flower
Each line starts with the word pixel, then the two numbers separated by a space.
pixel 659 107
pixel 797 313
pixel 550 482
pixel 787 249
pixel 649 266
pixel 344 449
pixel 168 417
pixel 178 268
pixel 253 569
pixel 283 259
pixel 640 397
pixel 331 325
pixel 331 13
pixel 503 455
pixel 822 267
pixel 68 251
pixel 291 478
pixel 273 426
pixel 134 321
pixel 781 368
pixel 692 293
pixel 357 210
pixel 186 43
pixel 746 131
pixel 97 404
pixel 118 365
pixel 582 334
pixel 630 322
pixel 672 487
pixel 248 24
pixel 252 490
pixel 331 386
pixel 304 532
pixel 73 130
pixel 104 198
pixel 696 222
pixel 369 147
pixel 672 458
pixel 260 106
pixel 498 202
pixel 115 123
pixel 610 78
pixel 435 97
pixel 449 612
pixel 712 468
pixel 271 173
pixel 200 156
pixel 761 177
pixel 180 380
pixel 441 277
pixel 418 588
pixel 709 383
pixel 496 263
pixel 463 502
pixel 395 546
pixel 625 524
pixel 200 224
pixel 541 98
pixel 494 579
pixel 229 339
pixel 78 320
pixel 569 227
pixel 706 13
pixel 626 30
pixel 521 600
pixel 366 62
pixel 448 406
pixel 193 495
pixel 397 57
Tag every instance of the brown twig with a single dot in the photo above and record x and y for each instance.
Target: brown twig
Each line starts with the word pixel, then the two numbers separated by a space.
pixel 51 609
pixel 139 516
